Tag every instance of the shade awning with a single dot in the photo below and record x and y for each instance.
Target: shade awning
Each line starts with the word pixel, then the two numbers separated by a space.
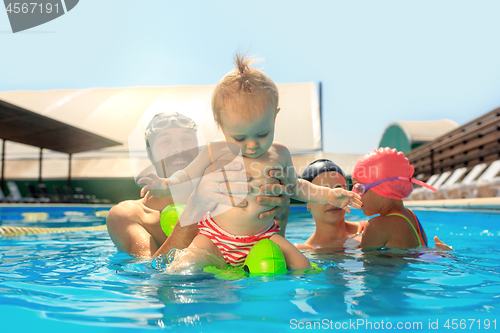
pixel 30 128
pixel 122 114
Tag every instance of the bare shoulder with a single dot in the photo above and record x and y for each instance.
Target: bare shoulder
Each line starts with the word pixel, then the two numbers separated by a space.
pixel 376 222
pixel 280 148
pixel 381 219
pixel 385 221
pixel 389 227
pixel 379 225
pixel 376 233
pixel 283 153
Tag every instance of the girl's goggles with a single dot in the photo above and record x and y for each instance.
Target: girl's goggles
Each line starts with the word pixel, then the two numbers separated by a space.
pixel 360 188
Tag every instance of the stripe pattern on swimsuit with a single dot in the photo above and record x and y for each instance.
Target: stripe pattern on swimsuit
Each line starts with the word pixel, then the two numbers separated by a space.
pixel 234 248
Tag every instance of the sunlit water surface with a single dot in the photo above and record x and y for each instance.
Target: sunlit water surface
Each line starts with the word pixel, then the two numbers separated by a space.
pixel 78 282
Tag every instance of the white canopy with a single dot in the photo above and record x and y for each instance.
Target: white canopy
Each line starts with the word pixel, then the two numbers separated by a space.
pixel 121 114
pixel 424 131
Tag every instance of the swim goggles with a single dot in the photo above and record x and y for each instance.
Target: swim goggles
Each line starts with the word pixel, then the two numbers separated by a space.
pixel 162 121
pixel 360 188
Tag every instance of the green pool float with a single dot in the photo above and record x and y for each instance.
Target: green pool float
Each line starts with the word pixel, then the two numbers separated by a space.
pixel 264 259
pixel 169 217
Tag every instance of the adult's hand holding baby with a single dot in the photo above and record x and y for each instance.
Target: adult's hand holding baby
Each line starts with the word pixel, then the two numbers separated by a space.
pixel 277 196
pixel 215 188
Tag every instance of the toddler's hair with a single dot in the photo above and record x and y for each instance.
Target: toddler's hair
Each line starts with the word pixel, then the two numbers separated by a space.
pixel 245 84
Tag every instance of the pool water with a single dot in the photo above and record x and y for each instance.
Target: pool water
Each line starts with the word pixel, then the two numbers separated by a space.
pixel 52 216
pixel 78 282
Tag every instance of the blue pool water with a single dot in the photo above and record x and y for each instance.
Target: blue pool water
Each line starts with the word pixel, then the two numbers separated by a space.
pixel 52 216
pixel 78 282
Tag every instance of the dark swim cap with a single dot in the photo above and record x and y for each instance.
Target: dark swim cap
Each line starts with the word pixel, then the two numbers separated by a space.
pixel 318 167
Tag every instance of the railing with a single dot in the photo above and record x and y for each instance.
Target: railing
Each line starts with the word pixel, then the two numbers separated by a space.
pixel 476 142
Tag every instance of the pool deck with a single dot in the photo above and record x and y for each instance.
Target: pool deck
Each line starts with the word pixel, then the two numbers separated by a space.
pixel 469 203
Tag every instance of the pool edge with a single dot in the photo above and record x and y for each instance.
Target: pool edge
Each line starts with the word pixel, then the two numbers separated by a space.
pixel 468 203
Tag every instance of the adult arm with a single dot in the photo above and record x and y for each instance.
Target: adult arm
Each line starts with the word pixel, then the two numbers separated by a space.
pixel 181 237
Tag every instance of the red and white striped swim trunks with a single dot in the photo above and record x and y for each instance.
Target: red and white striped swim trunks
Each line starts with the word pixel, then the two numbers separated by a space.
pixel 234 248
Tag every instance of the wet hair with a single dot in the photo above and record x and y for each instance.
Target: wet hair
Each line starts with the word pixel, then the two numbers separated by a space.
pixel 317 167
pixel 244 82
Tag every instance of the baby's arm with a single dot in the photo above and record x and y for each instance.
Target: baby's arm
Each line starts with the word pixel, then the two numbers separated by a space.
pixel 308 192
pixel 293 257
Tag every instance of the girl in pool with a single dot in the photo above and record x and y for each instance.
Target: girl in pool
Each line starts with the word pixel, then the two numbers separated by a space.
pixel 332 230
pixel 245 106
pixel 383 178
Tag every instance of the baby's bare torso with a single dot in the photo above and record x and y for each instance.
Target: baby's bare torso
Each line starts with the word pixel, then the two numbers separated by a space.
pixel 245 221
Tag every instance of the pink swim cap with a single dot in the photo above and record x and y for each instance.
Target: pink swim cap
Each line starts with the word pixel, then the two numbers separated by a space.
pixel 385 163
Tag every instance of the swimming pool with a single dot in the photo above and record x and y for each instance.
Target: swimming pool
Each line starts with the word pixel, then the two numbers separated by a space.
pixel 79 282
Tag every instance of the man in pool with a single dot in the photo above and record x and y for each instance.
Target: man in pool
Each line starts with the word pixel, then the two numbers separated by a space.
pixel 134 225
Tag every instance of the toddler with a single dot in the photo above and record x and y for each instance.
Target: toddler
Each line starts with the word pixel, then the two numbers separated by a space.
pixel 245 106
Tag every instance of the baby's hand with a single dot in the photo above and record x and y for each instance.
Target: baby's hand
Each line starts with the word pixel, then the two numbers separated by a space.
pixel 341 198
pixel 155 186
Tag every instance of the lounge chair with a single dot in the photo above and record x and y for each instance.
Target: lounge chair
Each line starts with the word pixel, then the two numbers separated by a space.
pixel 449 183
pixel 60 195
pixel 72 198
pixel 85 198
pixel 429 195
pixel 491 189
pixel 489 185
pixel 417 193
pixel 3 198
pixel 15 194
pixel 478 187
pixel 455 191
pixel 35 195
pixel 44 193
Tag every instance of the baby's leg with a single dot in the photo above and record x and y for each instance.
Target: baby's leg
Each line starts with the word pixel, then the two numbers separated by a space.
pixel 201 253
pixel 203 242
pixel 294 258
